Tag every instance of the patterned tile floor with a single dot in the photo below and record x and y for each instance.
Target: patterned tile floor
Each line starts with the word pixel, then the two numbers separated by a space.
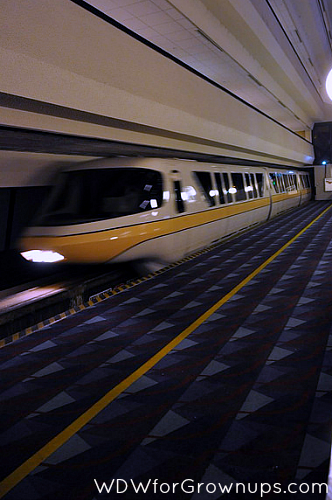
pixel 245 398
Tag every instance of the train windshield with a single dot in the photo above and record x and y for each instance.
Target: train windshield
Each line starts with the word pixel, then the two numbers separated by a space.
pixel 95 194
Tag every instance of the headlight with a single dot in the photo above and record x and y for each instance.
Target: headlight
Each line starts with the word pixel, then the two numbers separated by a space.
pixel 42 256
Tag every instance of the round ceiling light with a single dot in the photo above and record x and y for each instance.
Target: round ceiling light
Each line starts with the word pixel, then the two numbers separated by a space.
pixel 329 84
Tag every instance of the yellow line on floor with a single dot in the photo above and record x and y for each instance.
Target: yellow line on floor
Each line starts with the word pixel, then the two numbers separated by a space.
pixel 29 465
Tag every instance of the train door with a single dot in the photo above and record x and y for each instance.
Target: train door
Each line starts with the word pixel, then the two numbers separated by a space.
pixel 191 192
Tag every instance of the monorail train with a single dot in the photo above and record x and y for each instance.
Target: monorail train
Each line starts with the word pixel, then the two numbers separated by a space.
pixel 158 210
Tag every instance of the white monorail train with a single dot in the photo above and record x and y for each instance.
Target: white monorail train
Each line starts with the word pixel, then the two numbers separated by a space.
pixel 152 209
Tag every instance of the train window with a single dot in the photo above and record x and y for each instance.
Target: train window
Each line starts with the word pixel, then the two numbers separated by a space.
pixel 217 176
pixel 254 185
pixel 227 187
pixel 291 186
pixel 296 182
pixel 95 194
pixel 278 183
pixel 250 185
pixel 305 181
pixel 286 182
pixel 260 178
pixel 205 183
pixel 274 182
pixel 280 179
pixel 238 186
pixel 292 183
pixel 178 197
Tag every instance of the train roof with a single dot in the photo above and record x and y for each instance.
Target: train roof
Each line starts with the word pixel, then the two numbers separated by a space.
pixel 162 163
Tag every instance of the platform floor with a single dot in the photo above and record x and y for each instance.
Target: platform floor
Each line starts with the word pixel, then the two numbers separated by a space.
pixel 186 378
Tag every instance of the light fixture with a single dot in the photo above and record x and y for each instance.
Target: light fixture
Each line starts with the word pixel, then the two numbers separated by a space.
pixel 328 84
pixel 42 256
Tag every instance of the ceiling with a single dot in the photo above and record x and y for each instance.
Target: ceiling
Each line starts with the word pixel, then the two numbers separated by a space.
pixel 274 54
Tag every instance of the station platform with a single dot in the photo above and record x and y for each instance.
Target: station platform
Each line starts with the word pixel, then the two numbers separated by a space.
pixel 212 379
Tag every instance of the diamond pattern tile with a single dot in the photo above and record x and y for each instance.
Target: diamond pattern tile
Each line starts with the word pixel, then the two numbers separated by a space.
pixel 246 397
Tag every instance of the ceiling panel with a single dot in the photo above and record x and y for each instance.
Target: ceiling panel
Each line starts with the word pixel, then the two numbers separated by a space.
pixel 302 25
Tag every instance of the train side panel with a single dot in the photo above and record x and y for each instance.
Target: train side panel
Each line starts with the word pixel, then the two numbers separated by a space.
pixel 158 209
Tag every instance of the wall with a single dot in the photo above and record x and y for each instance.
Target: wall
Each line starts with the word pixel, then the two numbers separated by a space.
pixel 322 172
pixel 57 52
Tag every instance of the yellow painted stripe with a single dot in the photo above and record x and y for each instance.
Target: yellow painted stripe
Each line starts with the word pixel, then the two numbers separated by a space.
pixel 40 456
pixel 107 244
pixel 283 197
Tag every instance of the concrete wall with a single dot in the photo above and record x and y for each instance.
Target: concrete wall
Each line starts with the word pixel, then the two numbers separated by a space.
pixel 57 52
pixel 321 173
